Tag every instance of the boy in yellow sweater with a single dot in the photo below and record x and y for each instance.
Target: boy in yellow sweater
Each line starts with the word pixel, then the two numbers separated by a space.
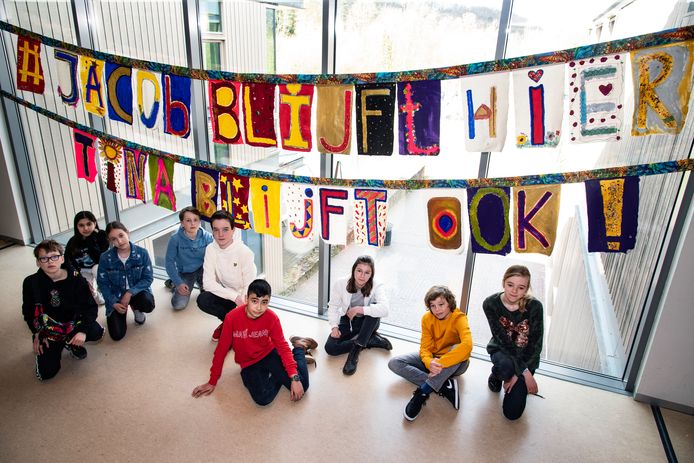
pixel 443 355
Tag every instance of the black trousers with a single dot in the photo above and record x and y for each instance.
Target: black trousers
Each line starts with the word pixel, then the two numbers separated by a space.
pixel 358 330
pixel 214 305
pixel 48 363
pixel 514 401
pixel 265 378
pixel 142 301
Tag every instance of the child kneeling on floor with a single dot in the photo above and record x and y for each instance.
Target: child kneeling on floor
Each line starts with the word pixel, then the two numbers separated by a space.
pixel 255 333
pixel 444 352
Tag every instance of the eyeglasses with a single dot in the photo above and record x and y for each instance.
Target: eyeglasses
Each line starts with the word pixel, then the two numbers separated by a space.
pixel 53 258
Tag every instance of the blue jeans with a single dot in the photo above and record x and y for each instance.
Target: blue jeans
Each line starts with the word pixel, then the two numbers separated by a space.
pixel 514 401
pixel 265 378
pixel 411 367
pixel 358 330
pixel 179 301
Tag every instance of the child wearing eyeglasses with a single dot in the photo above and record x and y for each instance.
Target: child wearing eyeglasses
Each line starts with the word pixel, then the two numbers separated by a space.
pixel 59 309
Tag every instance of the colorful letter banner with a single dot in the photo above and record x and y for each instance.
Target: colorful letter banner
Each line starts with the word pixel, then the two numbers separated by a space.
pixel 333 202
pixel 419 117
pixel 596 90
pixel 265 202
pixel 370 216
pixel 224 111
pixel 613 214
pixel 234 190
pixel 539 104
pixel 91 74
pixel 111 154
pixel 296 101
pixel 67 76
pixel 445 219
pixel 535 217
pixel 148 98
pixel 135 162
pixel 161 172
pixel 486 104
pixel 29 70
pixel 176 105
pixel 334 118
pixel 300 210
pixel 203 190
pixel 662 85
pixel 375 110
pixel 259 114
pixel 85 155
pixel 119 96
pixel 489 228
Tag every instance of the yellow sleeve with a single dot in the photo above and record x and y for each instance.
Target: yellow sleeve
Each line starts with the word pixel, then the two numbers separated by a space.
pixel 426 344
pixel 461 352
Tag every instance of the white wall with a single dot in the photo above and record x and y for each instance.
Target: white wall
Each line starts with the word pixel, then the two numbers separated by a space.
pixel 13 224
pixel 667 374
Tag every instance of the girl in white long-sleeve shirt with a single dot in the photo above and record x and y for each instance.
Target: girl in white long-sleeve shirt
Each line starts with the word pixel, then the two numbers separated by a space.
pixel 356 307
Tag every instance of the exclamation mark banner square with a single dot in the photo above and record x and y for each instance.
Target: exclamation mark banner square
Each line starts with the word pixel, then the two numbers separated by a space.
pixel 613 212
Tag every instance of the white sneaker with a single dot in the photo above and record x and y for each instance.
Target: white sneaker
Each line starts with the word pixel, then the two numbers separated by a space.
pixel 139 317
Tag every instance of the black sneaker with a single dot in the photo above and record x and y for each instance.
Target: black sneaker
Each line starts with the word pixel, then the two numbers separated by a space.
pixel 379 342
pixel 352 358
pixel 77 352
pixel 450 392
pixel 414 406
pixel 169 284
pixel 494 383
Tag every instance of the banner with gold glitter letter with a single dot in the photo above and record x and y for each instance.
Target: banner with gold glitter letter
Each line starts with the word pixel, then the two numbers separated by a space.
pixel 613 213
pixel 535 216
pixel 488 210
pixel 111 157
pixel 29 70
pixel 161 172
pixel 203 190
pixel 119 96
pixel 234 190
pixel 334 118
pixel 485 103
pixel 370 216
pixel 375 111
pixel 265 204
pixel 662 85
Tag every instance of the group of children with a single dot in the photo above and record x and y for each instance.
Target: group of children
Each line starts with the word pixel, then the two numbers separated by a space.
pixel 60 307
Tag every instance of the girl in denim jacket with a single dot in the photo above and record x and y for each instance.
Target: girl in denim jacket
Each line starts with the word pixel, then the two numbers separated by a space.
pixel 125 279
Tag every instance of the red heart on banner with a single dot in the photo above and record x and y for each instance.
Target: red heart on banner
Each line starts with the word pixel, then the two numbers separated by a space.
pixel 605 89
pixel 536 75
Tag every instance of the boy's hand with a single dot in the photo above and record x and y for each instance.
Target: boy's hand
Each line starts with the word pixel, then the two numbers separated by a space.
pixel 297 391
pixel 78 339
pixel 203 389
pixel 530 382
pixel 183 289
pixel 434 368
pixel 508 385
pixel 38 345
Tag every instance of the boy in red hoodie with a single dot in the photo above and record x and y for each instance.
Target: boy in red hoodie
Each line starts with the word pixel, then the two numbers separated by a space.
pixel 254 333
